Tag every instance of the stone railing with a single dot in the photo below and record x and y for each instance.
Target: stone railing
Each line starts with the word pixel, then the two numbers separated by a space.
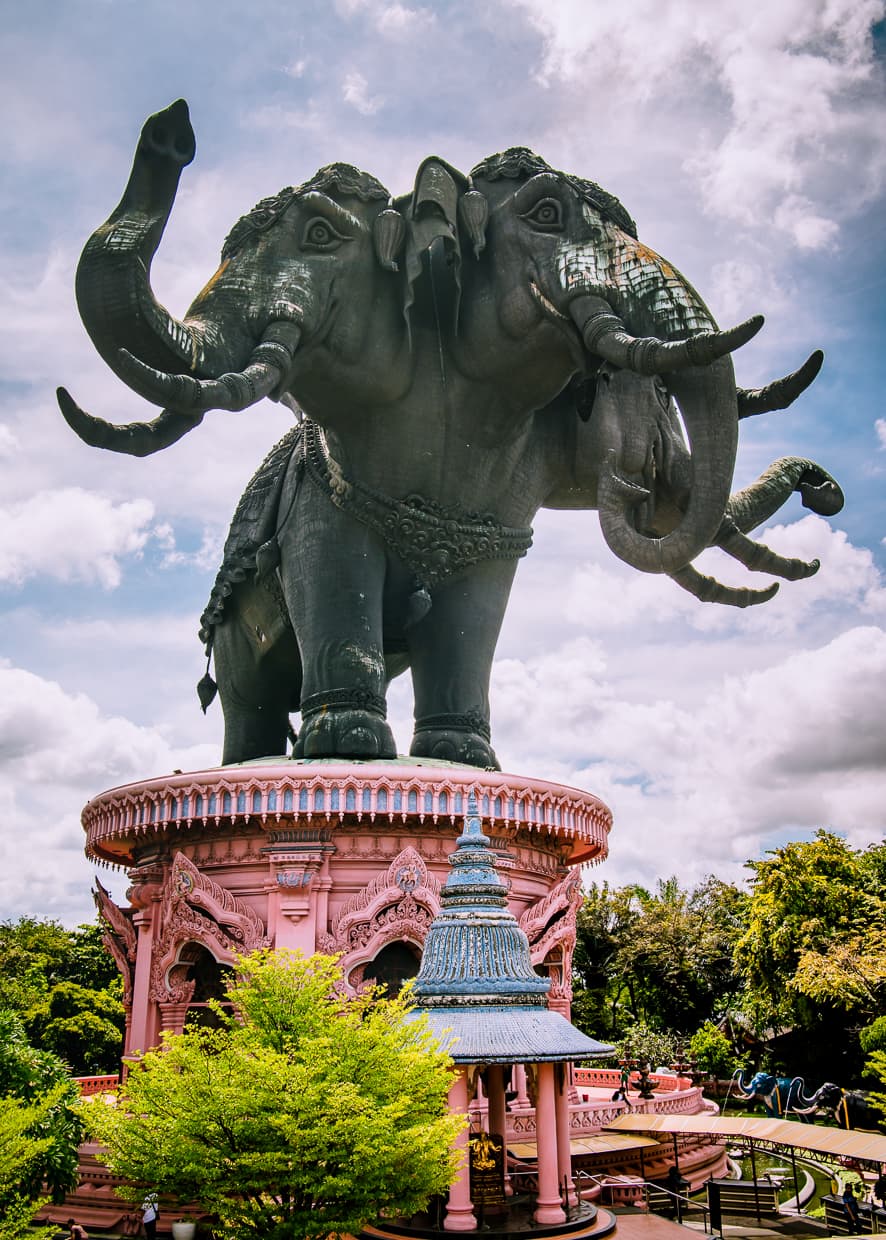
pixel 674 1096
pixel 96 1084
pixel 610 1078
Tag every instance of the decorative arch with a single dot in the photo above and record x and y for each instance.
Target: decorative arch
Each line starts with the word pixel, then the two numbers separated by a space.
pixel 550 926
pixel 195 909
pixel 398 904
pixel 118 936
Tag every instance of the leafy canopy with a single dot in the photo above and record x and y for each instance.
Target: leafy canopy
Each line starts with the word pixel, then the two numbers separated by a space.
pixel 816 931
pixel 306 1115
pixel 22 1156
pixel 65 987
pixel 36 1083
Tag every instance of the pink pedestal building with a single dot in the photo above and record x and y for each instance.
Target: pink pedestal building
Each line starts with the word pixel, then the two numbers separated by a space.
pixel 324 855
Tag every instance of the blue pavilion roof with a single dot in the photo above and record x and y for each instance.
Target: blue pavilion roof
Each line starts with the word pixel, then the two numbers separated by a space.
pixel 477 987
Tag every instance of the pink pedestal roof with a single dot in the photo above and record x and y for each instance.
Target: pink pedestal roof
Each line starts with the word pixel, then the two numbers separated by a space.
pixel 271 793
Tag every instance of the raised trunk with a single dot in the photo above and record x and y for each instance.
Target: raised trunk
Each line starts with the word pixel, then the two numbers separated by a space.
pixel 762 499
pixel 114 293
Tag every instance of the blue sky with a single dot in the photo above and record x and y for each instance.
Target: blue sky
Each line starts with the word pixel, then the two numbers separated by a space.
pixel 750 146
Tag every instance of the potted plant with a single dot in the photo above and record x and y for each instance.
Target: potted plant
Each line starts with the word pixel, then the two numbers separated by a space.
pixel 183 1228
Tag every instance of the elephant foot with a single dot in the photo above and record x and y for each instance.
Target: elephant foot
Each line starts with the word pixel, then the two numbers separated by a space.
pixel 448 740
pixel 345 733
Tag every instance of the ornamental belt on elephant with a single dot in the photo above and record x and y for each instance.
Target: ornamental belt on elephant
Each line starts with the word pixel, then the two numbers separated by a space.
pixel 432 540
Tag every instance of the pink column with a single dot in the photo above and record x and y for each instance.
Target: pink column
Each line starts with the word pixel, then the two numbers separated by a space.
pixel 564 1149
pixel 521 1102
pixel 498 1115
pixel 140 1037
pixel 548 1207
pixel 460 1209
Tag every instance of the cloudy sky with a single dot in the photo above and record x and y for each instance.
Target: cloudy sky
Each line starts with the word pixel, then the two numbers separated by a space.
pixel 750 145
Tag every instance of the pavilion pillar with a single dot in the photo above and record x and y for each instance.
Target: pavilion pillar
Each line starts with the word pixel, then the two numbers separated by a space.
pixel 548 1206
pixel 498 1115
pixel 460 1209
pixel 521 1102
pixel 564 1147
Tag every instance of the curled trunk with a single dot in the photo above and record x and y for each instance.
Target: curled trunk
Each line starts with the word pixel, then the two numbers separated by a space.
pixel 706 397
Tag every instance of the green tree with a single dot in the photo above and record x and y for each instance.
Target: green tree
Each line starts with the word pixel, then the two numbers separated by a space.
pixel 650 1047
pixel 812 955
pixel 604 922
pixel 876 1066
pixel 65 986
pixel 22 1155
pixel 37 1079
pixel 82 1026
pixel 710 1048
pixel 306 1115
pixel 662 957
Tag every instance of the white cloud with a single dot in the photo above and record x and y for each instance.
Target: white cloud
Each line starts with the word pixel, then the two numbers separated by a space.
pixel 56 750
pixel 71 535
pixel 784 96
pixel 880 428
pixel 356 93
pixel 9 443
pixel 401 21
pixel 799 743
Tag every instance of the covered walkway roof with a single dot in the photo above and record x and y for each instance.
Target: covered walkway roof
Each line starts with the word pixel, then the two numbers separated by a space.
pixel 867 1147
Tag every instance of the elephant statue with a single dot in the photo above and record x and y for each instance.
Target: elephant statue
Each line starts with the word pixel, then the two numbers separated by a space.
pixel 778 1094
pixel 456 358
pixel 848 1108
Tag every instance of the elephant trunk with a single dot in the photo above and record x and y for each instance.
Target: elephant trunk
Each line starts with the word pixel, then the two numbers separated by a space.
pixel 113 287
pixel 762 499
pixel 706 398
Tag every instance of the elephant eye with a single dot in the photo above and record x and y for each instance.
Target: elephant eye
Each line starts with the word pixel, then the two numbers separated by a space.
pixel 546 215
pixel 320 235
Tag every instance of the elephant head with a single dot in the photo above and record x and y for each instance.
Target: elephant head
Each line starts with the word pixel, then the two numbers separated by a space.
pixel 563 257
pixel 303 276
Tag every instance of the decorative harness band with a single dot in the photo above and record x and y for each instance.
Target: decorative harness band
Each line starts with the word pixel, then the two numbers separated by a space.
pixel 433 540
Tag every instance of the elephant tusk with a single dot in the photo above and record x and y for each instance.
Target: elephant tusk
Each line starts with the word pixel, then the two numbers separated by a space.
pixel 627 491
pixel 758 557
pixel 780 393
pixel 604 334
pixel 134 438
pixel 709 590
pixel 264 375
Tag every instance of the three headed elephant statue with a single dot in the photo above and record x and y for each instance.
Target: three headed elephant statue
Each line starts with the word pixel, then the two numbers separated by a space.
pixel 456 358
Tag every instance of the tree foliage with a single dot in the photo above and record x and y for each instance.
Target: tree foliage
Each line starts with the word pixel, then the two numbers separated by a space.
pixel 36 1082
pixel 22 1154
pixel 663 958
pixel 65 987
pixel 712 1052
pixel 651 1048
pixel 811 901
pixel 305 1115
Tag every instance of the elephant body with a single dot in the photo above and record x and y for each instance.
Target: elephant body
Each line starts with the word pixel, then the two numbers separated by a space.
pixel 778 1094
pixel 848 1108
pixel 458 358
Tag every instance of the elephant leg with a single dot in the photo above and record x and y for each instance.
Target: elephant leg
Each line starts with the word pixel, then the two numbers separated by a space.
pixel 333 572
pixel 257 690
pixel 451 651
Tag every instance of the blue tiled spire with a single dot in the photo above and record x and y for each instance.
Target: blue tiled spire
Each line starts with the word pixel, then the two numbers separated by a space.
pixel 475 952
